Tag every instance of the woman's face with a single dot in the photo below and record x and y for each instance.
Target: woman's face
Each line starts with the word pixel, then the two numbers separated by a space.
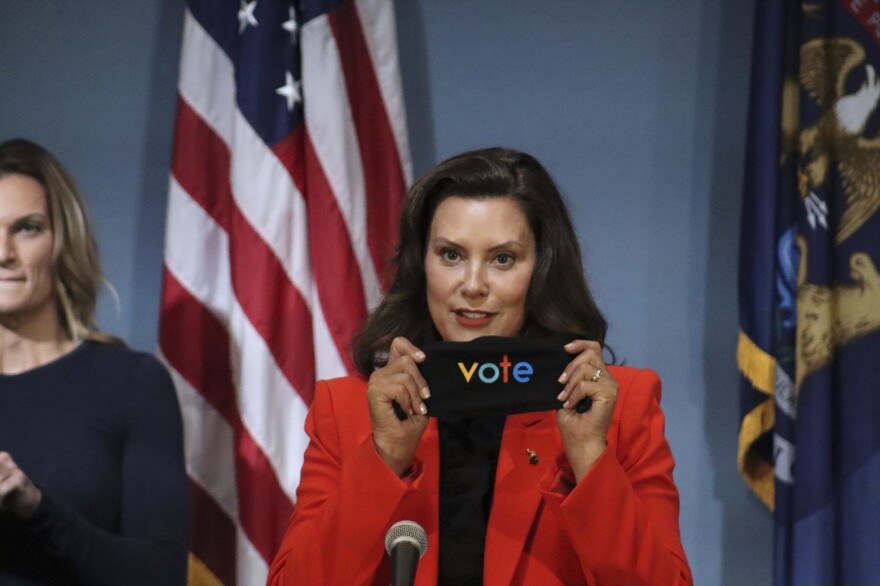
pixel 25 248
pixel 478 265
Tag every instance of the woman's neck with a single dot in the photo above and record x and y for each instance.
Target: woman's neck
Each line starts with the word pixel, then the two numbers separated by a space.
pixel 27 344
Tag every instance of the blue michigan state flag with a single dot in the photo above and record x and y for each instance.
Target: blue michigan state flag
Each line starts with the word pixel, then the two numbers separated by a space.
pixel 809 288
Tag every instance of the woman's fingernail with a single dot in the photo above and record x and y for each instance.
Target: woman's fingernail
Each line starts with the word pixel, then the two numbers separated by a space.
pixel 562 377
pixel 423 409
pixel 426 394
pixel 420 355
pixel 560 395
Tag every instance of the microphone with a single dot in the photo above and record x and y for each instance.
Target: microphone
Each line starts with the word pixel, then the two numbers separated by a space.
pixel 406 542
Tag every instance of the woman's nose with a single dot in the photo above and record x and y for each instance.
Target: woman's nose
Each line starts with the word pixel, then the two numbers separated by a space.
pixel 475 282
pixel 7 250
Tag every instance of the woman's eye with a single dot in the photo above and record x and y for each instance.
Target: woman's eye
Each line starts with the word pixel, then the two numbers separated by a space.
pixel 504 258
pixel 449 255
pixel 30 228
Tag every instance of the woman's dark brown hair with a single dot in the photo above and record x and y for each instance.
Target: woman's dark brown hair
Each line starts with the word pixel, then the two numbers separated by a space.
pixel 559 302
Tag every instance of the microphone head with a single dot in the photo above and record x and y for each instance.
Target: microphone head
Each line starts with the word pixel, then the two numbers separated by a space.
pixel 408 531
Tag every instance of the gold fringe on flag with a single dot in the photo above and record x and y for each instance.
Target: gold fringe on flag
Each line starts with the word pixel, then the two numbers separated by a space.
pixel 199 574
pixel 759 368
pixel 757 473
pixel 756 365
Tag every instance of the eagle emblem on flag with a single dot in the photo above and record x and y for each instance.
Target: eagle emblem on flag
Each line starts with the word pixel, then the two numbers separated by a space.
pixel 832 316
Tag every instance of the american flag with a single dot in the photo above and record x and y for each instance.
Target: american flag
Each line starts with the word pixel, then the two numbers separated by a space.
pixel 290 161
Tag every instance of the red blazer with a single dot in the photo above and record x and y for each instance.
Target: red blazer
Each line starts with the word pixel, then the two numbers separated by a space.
pixel 619 525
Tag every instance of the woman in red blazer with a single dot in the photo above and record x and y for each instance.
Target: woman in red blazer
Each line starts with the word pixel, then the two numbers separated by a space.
pixel 560 497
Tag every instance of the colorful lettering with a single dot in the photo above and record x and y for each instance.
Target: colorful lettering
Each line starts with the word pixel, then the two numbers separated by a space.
pixel 505 364
pixel 488 379
pixel 467 373
pixel 489 372
pixel 522 372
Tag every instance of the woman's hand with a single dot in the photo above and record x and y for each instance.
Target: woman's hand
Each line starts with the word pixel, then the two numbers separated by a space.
pixel 398 381
pixel 583 434
pixel 18 494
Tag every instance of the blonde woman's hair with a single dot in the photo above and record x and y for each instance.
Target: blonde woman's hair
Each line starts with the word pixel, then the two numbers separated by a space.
pixel 76 267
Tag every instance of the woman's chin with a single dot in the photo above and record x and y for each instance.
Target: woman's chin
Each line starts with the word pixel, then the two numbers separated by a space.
pixel 468 335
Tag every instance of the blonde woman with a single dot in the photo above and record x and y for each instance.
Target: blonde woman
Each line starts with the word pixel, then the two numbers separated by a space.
pixel 92 482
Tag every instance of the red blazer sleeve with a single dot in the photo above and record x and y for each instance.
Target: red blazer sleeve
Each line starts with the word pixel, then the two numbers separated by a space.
pixel 622 519
pixel 345 499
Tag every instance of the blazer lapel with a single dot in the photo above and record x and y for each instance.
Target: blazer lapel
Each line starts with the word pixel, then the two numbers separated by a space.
pixel 517 498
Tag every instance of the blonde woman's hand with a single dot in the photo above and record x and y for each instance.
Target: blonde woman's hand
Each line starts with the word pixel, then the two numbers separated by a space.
pixel 584 434
pixel 18 495
pixel 398 383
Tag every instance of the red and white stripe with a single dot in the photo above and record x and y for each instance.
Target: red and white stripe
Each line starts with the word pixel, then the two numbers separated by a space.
pixel 273 255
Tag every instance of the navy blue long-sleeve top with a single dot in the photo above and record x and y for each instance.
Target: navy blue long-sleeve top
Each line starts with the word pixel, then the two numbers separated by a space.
pixel 99 432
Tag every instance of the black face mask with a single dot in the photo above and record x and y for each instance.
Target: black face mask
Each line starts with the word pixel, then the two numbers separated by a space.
pixel 493 376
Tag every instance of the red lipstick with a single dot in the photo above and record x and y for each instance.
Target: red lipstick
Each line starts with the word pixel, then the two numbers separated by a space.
pixel 472 318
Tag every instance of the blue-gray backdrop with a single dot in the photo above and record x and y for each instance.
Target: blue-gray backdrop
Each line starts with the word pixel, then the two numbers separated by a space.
pixel 637 107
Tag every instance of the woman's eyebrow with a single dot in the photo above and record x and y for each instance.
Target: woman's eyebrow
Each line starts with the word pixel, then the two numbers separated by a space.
pixel 506 244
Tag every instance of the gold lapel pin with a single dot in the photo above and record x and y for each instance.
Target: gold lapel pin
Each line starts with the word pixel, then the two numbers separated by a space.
pixel 533 456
